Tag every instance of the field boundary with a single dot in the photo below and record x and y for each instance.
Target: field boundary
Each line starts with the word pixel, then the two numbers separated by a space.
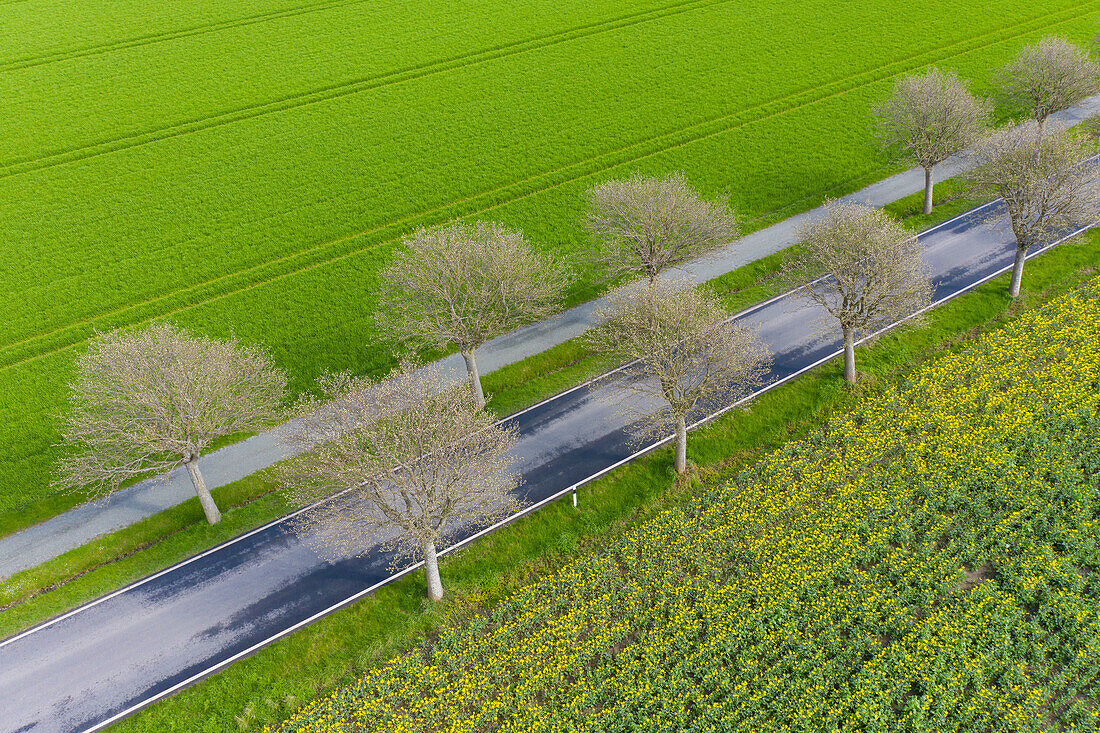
pixel 529 509
pixel 331 251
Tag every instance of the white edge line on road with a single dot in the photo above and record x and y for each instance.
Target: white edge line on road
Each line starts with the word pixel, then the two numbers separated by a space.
pixel 745 312
pixel 883 330
pixel 527 510
pixel 751 309
pixel 740 314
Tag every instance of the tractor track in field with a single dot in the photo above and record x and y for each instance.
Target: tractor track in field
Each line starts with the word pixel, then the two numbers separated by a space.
pixel 26 62
pixel 345 89
pixel 338 249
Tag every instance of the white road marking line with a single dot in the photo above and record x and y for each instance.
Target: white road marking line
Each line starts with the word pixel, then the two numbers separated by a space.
pixel 238 538
pixel 255 647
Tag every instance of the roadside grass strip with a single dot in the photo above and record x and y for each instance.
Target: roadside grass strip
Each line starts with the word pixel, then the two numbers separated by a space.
pixel 926 562
pixel 30 595
pixel 338 649
pixel 260 185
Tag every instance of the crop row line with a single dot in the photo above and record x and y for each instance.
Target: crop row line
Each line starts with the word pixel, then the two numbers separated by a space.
pixel 137 41
pixel 24 62
pixel 343 89
pixel 338 249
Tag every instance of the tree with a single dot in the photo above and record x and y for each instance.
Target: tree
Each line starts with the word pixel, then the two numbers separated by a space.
pixel 149 401
pixel 689 350
pixel 464 284
pixel 1046 188
pixel 931 117
pixel 419 454
pixel 1048 77
pixel 644 226
pixel 874 271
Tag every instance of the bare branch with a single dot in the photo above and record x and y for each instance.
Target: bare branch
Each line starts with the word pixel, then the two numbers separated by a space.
pixel 1049 76
pixel 1040 178
pixel 691 353
pixel 931 118
pixel 874 271
pixel 463 284
pixel 1039 174
pixel 149 401
pixel 644 226
pixel 419 456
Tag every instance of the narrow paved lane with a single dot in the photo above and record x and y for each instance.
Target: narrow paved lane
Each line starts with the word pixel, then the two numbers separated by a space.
pixel 35 545
pixel 102 661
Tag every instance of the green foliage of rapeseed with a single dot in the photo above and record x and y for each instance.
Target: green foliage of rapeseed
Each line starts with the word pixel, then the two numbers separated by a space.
pixel 928 561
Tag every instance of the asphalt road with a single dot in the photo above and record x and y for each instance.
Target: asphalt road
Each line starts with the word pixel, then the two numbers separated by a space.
pixel 35 545
pixel 87 668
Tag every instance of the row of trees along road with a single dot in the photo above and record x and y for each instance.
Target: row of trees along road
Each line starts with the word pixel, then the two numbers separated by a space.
pixel 933 116
pixel 415 456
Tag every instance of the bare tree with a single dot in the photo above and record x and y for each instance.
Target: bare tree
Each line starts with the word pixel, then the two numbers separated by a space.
pixel 1046 188
pixel 419 455
pixel 464 284
pixel 149 401
pixel 644 226
pixel 874 272
pixel 689 350
pixel 1048 77
pixel 931 117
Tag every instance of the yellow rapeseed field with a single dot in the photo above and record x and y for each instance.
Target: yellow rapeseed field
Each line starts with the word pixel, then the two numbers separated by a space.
pixel 927 562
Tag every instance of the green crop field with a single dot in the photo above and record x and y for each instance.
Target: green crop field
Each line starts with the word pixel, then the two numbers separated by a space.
pixel 247 166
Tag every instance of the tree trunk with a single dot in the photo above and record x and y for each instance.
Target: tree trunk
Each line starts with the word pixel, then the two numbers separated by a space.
pixel 849 356
pixel 208 506
pixel 652 273
pixel 1017 272
pixel 927 191
pixel 681 445
pixel 475 378
pixel 431 570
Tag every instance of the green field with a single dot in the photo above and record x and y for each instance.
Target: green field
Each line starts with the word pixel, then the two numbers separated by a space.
pixel 247 166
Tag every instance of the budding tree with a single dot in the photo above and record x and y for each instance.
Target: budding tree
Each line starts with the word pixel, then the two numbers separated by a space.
pixel 464 284
pixel 691 354
pixel 149 401
pixel 931 117
pixel 1046 188
pixel 1048 77
pixel 874 274
pixel 420 456
pixel 644 226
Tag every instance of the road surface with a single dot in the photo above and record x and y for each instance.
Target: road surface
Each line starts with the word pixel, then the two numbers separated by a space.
pixel 89 667
pixel 35 545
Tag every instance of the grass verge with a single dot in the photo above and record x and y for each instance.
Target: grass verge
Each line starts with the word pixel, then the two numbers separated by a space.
pixel 112 561
pixel 264 688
